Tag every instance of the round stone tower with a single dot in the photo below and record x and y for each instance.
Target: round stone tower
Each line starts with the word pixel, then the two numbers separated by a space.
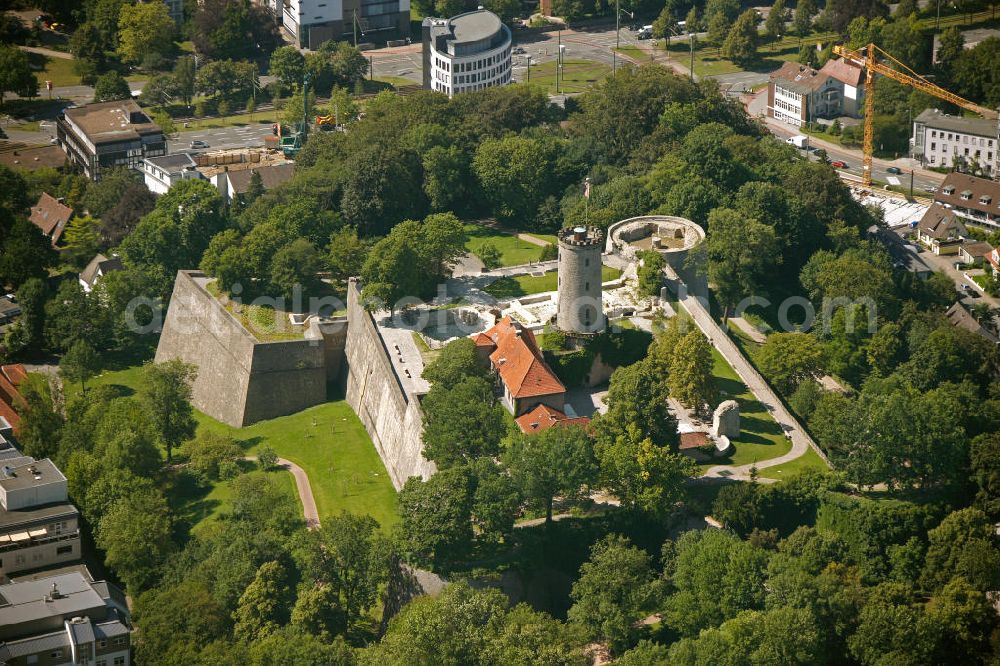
pixel 579 297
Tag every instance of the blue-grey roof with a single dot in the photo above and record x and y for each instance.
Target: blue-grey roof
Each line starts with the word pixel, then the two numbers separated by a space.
pixel 173 162
pixel 110 629
pixel 44 643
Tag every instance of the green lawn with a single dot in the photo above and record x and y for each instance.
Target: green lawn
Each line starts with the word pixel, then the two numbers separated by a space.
pixel 760 437
pixel 985 281
pixel 524 285
pixel 634 52
pixel 237 119
pixel 327 441
pixel 809 461
pixel 576 77
pixel 57 70
pixel 513 250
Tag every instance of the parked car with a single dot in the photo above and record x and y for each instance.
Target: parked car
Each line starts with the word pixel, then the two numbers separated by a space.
pixel 930 189
pixel 518 51
pixel 838 164
pixel 198 143
pixel 894 171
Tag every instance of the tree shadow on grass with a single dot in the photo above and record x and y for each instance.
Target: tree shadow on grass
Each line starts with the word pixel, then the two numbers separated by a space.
pixel 249 442
pixel 189 503
pixel 505 288
pixel 759 425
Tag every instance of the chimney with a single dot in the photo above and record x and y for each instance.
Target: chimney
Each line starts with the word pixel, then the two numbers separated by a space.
pixel 580 233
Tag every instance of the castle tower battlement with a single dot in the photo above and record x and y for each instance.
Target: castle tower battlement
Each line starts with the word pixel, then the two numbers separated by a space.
pixel 579 307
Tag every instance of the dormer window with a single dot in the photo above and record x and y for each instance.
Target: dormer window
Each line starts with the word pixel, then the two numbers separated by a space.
pixel 949 190
pixel 966 194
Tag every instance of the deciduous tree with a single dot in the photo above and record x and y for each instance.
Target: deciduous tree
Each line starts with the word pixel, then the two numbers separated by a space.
pixel 740 45
pixel 557 461
pixel 166 394
pixel 461 421
pixel 135 535
pixel 264 606
pixel 613 589
pixel 80 363
pixel 15 73
pixel 436 516
pixel 787 359
pixel 112 86
pixel 144 29
pixel 691 364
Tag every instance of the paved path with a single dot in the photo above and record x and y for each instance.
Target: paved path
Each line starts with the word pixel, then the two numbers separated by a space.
pixel 749 329
pixel 304 489
pixel 51 53
pixel 528 238
pixel 801 441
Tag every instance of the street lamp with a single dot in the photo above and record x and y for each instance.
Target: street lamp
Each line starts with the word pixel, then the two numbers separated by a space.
pixel 691 37
pixel 528 72
pixel 561 73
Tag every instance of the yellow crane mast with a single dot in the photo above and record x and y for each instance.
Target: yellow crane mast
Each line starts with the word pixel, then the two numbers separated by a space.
pixel 868 58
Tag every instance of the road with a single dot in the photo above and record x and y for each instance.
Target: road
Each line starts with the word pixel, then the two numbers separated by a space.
pixel 218 138
pixel 923 178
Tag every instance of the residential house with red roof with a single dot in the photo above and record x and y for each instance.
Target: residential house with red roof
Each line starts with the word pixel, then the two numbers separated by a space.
pixel 50 216
pixel 531 390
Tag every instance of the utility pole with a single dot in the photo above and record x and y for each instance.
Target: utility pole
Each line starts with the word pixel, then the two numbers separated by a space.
pixel 528 74
pixel 371 68
pixel 911 183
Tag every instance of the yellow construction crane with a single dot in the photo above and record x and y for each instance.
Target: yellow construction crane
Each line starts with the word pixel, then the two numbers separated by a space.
pixel 868 58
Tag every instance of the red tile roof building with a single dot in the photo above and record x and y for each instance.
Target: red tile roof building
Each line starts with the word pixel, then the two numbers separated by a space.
pixel 50 216
pixel 11 377
pixel 544 417
pixel 527 379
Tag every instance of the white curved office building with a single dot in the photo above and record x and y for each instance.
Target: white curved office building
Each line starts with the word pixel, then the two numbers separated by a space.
pixel 467 52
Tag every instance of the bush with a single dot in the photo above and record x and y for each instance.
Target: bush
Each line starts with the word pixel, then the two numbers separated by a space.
pixel 553 339
pixel 209 455
pixel 571 367
pixel 803 399
pixel 267 458
pixel 489 255
pixel 549 253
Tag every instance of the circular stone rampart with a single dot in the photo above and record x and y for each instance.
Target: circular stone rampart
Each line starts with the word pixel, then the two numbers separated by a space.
pixel 673 237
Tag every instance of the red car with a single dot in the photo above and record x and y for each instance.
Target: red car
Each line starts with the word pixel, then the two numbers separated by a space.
pixel 838 165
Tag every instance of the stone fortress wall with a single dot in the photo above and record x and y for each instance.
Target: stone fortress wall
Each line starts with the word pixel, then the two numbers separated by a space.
pixel 391 416
pixel 242 380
